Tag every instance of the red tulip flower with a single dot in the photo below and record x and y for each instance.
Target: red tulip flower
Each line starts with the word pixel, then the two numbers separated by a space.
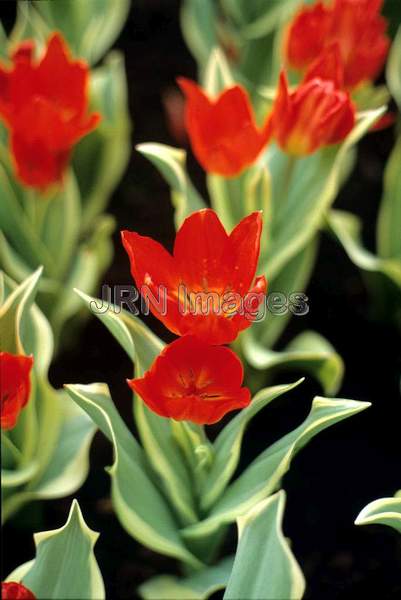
pixel 15 386
pixel 193 381
pixel 15 591
pixel 223 133
pixel 208 283
pixel 355 25
pixel 316 114
pixel 44 103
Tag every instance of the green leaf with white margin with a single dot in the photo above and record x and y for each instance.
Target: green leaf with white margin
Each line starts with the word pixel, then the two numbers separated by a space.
pixel 310 186
pixel 236 197
pixel 59 231
pixel 347 229
pixel 389 220
pixel 139 505
pixel 61 459
pixel 157 436
pixel 264 474
pixel 309 352
pixel 170 162
pixel 264 565
pixel 292 279
pixel 16 224
pixel 198 586
pixel 217 76
pixel 90 27
pixel 393 69
pixel 227 446
pixel 198 25
pixel 52 437
pixel 386 511
pixel 101 158
pixel 19 270
pixel 91 261
pixel 302 191
pixel 15 311
pixel 65 565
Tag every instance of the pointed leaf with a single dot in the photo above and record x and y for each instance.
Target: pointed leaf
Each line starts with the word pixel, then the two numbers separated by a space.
pixel 227 447
pixel 309 352
pixel 264 565
pixel 156 433
pixel 195 587
pixel 171 164
pixel 347 227
pixel 386 511
pixel 65 565
pixel 139 505
pixel 265 473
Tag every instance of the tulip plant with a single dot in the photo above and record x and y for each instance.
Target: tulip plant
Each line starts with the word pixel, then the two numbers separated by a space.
pixel 61 124
pixel 285 92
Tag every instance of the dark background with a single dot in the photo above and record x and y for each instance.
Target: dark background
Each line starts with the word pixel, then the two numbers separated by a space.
pixel 341 470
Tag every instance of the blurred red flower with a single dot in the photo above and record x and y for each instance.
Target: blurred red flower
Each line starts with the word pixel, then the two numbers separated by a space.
pixel 209 279
pixel 15 386
pixel 44 103
pixel 223 133
pixel 316 114
pixel 15 591
pixel 193 381
pixel 355 25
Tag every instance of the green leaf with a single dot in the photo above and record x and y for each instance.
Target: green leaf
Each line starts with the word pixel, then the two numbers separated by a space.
pixel 309 352
pixel 65 565
pixel 293 278
pixel 50 442
pixel 90 27
pixel 91 260
pixel 61 457
pixel 156 433
pixel 217 75
pixel 302 192
pixel 3 43
pixel 347 229
pixel 171 164
pixel 139 505
pixel 389 220
pixel 310 186
pixel 101 158
pixel 265 473
pixel 386 511
pixel 61 225
pixel 264 565
pixel 393 69
pixel 274 14
pixel 16 225
pixel 14 313
pixel 198 25
pixel 195 587
pixel 227 447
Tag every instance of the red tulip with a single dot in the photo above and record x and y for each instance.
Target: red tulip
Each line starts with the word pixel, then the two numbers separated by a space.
pixel 193 381
pixel 316 114
pixel 209 281
pixel 223 133
pixel 15 386
pixel 44 103
pixel 355 25
pixel 15 591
